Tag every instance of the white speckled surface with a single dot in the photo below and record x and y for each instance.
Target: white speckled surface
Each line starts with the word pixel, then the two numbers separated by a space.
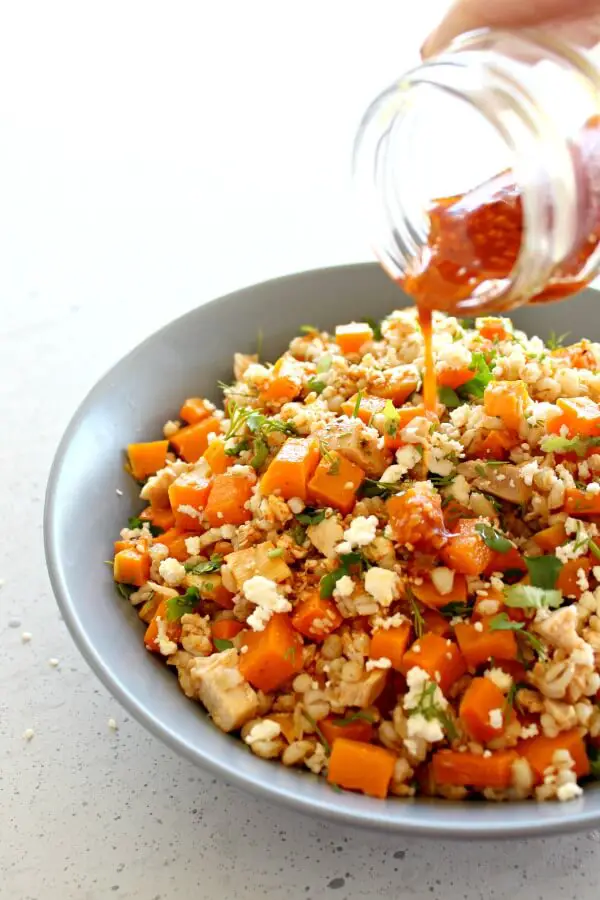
pixel 154 155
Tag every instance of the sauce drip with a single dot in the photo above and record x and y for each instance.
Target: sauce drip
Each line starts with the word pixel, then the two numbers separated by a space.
pixel 429 379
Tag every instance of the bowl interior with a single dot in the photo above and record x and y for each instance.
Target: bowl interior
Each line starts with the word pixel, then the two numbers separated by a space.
pixel 84 514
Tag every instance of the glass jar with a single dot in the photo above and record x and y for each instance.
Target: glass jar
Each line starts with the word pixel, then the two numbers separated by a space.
pixel 479 173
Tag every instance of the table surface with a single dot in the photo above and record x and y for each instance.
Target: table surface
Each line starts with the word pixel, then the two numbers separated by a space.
pixel 152 156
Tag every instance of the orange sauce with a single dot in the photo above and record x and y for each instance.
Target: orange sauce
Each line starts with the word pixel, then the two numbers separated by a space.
pixel 429 379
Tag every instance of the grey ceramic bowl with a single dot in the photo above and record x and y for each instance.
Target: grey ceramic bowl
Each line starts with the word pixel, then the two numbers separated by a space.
pixel 84 514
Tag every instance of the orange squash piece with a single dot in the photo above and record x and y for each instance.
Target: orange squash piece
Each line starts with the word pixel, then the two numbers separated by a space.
pixel 161 518
pixel 477 647
pixel 353 730
pixel 358 766
pixel 581 503
pixel 492 328
pixel 578 355
pixel 391 643
pixel 173 629
pixel 397 386
pixel 402 418
pixel 495 445
pixel 188 495
pixel 454 378
pixel 436 622
pixel 289 473
pixel 550 538
pixel 195 409
pixel 227 500
pixel 581 415
pixel 466 551
pixel 280 388
pixel 225 629
pixel 436 656
pixel 315 617
pixel 368 407
pixel 273 655
pixel 416 517
pixel 216 457
pixel 473 770
pixel 174 541
pixel 191 442
pixel 506 400
pixel 131 567
pixel 146 459
pixel 503 562
pixel 350 338
pixel 429 595
pixel 569 575
pixel 539 752
pixel 335 483
pixel 480 699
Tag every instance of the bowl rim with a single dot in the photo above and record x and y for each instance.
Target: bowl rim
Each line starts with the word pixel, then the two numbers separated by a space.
pixel 389 817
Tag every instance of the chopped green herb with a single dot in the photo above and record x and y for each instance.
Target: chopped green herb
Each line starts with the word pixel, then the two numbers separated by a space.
pixel 261 451
pixel 277 551
pixel 441 481
pixel 466 323
pixel 417 616
pixel 324 364
pixel 135 522
pixel 543 571
pixel 125 590
pixel 334 461
pixel 391 418
pixel 182 604
pixel 329 581
pixel 316 385
pixel 311 516
pixel 309 329
pixel 207 565
pixel 476 386
pixel 370 488
pixel 594 758
pixel 428 708
pixel 553 443
pixel 493 538
pixel 375 327
pixel 525 596
pixel 450 610
pixel 299 535
pixel 449 397
pixel 511 699
pixel 357 403
pixel 221 644
pixel 155 530
pixel 554 341
pixel 354 717
pixel 594 549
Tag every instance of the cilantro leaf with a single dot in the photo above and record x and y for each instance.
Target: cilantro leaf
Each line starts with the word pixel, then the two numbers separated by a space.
pixel 221 644
pixel 456 609
pixel 354 717
pixel 125 590
pixel 543 571
pixel 329 581
pixel 476 386
pixel 135 522
pixel 208 565
pixel 449 397
pixel 417 615
pixel 275 553
pixel 311 516
pixel 493 538
pixel 375 327
pixel 316 385
pixel 299 534
pixel 370 488
pixel 553 443
pixel 555 341
pixel 309 329
pixel 314 725
pixel 525 596
pixel 182 604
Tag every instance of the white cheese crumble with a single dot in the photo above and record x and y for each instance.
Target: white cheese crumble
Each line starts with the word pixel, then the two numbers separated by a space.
pixel 568 791
pixel 362 531
pixel 500 678
pixel 28 734
pixel 529 731
pixel 165 645
pixel 496 719
pixel 26 637
pixel 296 505
pixel 343 587
pixel 53 662
pixel 382 663
pixel 406 458
pixel 192 545
pixel 528 471
pixel 443 579
pixel 171 571
pixel 429 730
pixel 112 724
pixel 267 730
pixel 382 585
pixel 264 594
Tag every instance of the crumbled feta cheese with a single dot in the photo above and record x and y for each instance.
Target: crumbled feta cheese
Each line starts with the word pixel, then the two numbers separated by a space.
pixel 112 724
pixel 53 662
pixel 406 458
pixel 171 427
pixel 26 637
pixel 296 505
pixel 529 731
pixel 385 623
pixel 344 587
pixel 443 579
pixel 192 545
pixel 496 719
pixel 382 585
pixel 429 730
pixel 28 734
pixel 500 678
pixel 264 593
pixel 171 571
pixel 267 730
pixel 528 471
pixel 478 626
pixel 593 488
pixel 165 645
pixel 362 531
pixel 568 791
pixel 382 663
pixel 460 490
pixel 227 532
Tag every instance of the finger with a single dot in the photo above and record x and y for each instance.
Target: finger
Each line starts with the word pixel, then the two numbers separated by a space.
pixel 467 15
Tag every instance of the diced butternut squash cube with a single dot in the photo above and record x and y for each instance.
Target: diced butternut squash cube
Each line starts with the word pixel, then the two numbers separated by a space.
pixel 195 409
pixel 273 655
pixel 216 457
pixel 228 500
pixel 290 471
pixel 191 442
pixel 335 483
pixel 507 400
pixel 146 459
pixel 350 338
pixel 131 567
pixel 315 617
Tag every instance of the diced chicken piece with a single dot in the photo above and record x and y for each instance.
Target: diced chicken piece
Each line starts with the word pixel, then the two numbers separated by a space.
pixel 156 489
pixel 362 693
pixel 326 535
pixel 241 361
pixel 244 564
pixel 217 683
pixel 359 444
pixel 503 481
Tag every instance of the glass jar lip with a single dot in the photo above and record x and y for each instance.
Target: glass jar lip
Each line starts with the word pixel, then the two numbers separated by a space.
pixel 453 71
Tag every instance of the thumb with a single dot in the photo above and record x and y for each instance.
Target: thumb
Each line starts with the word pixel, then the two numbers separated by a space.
pixel 581 20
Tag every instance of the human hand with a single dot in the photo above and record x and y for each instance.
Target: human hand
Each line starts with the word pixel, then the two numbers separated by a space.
pixel 577 20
